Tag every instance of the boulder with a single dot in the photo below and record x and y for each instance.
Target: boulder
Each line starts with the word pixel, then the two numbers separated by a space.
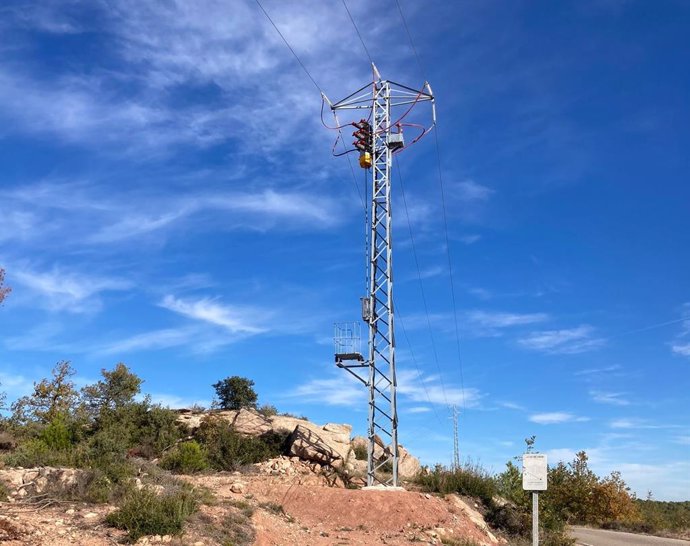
pixel 245 421
pixel 24 482
pixel 408 465
pixel 311 445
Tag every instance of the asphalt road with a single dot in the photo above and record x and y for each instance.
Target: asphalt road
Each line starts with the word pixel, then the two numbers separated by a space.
pixel 599 537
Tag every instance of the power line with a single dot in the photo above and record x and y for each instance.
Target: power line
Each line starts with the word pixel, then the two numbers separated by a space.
pixel 445 216
pixel 421 284
pixel 450 266
pixel 289 47
pixel 409 36
pixel 366 50
pixel 416 364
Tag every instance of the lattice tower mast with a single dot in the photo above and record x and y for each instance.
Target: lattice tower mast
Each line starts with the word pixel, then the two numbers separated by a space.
pixel 456 443
pixel 377 143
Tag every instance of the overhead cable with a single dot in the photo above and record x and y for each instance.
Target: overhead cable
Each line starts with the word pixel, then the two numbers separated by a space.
pixel 366 50
pixel 289 47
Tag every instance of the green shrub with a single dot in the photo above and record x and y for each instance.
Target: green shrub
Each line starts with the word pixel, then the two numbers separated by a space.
pixel 228 450
pixel 57 435
pixel 471 480
pixel 361 452
pixel 145 513
pixel 185 458
pixel 267 410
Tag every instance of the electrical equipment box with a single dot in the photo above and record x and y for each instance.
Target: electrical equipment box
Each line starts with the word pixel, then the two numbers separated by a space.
pixel 396 141
pixel 365 160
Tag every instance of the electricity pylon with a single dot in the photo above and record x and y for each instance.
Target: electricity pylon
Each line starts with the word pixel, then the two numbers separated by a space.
pixel 377 142
pixel 456 443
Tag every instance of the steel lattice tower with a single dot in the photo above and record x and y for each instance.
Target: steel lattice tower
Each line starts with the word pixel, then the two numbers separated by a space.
pixel 377 372
pixel 456 443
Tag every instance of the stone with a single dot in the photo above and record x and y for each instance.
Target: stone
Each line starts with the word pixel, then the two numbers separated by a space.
pixel 237 487
pixel 309 445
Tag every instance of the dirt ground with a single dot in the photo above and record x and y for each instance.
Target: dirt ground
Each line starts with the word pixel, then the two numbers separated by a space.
pixel 317 515
pixel 278 511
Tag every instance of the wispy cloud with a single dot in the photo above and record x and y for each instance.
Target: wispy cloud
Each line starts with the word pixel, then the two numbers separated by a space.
pixel 92 214
pixel 638 423
pixel 62 290
pixel 681 345
pixel 344 390
pixel 611 398
pixel 497 319
pixel 419 388
pixel 569 341
pixel 599 371
pixel 469 190
pixel 418 409
pixel 235 319
pixel 556 417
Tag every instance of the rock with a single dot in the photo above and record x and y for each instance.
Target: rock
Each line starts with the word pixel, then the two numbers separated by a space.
pixel 309 445
pixel 35 481
pixel 408 465
pixel 90 515
pixel 238 487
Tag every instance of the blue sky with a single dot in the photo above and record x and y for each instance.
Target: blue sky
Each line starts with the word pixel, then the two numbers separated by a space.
pixel 169 200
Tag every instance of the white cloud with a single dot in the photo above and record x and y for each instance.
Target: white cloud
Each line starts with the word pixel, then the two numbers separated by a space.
pixel 682 349
pixel 345 390
pixel 556 417
pixel 568 341
pixel 91 215
pixel 336 391
pixel 156 339
pixel 60 290
pixel 598 371
pixel 494 319
pixel 418 409
pixel 469 239
pixel 611 398
pixel 419 388
pixel 237 320
pixel 637 423
pixel 682 440
pixel 469 190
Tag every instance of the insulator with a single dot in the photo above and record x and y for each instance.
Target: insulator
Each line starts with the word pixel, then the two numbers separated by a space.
pixel 362 134
pixel 361 146
pixel 361 124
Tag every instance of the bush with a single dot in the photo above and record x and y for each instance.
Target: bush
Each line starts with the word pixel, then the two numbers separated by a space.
pixel 471 480
pixel 145 513
pixel 361 452
pixel 268 410
pixel 228 450
pixel 185 458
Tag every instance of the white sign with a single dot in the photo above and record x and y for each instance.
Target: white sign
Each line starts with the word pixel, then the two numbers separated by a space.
pixel 534 472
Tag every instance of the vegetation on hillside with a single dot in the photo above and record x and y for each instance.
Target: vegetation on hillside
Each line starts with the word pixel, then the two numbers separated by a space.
pixel 576 495
pixel 108 430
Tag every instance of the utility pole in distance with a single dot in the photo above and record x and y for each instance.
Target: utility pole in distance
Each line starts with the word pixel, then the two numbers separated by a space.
pixel 456 442
pixel 379 135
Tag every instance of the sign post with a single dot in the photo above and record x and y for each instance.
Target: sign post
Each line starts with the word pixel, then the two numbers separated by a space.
pixel 534 478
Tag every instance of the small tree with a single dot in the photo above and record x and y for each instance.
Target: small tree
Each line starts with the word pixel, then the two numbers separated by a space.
pixel 117 389
pixel 235 392
pixel 4 290
pixel 52 398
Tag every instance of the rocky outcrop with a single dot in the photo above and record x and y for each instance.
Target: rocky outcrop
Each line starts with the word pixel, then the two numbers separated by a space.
pixel 245 421
pixel 27 482
pixel 327 445
pixel 408 464
pixel 309 445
